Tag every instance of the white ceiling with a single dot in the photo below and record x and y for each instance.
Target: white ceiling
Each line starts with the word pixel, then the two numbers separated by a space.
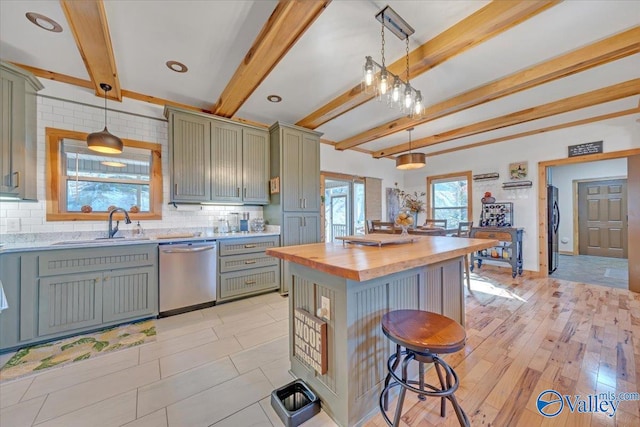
pixel 212 37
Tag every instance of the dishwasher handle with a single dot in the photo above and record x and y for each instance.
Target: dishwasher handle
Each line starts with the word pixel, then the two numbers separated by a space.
pixel 187 250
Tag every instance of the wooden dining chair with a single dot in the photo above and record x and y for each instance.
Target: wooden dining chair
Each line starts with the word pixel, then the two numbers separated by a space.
pixel 442 223
pixel 377 226
pixel 464 229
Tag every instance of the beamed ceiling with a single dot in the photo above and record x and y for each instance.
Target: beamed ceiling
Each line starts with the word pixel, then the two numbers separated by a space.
pixel 489 71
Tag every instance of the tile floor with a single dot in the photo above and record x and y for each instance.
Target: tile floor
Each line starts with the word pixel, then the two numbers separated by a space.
pixel 212 367
pixel 596 270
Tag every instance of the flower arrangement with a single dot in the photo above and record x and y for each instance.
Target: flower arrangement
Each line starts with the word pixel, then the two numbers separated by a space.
pixel 411 201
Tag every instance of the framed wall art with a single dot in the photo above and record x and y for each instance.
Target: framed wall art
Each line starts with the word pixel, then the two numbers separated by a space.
pixel 518 170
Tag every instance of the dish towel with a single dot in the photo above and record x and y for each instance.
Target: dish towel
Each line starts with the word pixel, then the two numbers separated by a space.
pixel 3 299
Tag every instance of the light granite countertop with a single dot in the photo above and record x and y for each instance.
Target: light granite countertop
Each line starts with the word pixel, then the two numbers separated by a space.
pixel 77 243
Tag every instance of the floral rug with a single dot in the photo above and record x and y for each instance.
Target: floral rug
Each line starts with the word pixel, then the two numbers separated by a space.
pixel 81 347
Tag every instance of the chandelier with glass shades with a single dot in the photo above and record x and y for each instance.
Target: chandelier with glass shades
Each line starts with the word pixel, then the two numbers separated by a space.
pixel 382 83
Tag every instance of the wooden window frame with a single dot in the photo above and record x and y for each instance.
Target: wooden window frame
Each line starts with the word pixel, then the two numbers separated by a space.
pixel 54 174
pixel 465 174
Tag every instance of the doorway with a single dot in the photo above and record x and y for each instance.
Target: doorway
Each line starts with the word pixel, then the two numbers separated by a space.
pixel 344 206
pixel 632 158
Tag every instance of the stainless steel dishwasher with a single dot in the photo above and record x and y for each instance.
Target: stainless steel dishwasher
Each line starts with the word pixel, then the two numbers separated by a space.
pixel 188 278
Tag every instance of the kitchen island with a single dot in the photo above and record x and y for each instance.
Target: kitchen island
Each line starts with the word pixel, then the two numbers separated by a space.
pixel 357 284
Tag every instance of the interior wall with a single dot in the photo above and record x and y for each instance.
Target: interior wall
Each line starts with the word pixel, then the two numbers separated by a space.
pixel 618 134
pixel 563 177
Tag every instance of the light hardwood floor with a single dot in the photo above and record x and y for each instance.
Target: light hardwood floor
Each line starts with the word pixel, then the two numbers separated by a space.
pixel 218 366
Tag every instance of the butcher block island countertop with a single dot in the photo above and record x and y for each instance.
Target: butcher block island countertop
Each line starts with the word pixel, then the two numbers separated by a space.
pixel 361 262
pixel 341 291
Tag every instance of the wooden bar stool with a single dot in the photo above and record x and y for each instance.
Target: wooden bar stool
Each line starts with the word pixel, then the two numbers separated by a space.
pixel 424 335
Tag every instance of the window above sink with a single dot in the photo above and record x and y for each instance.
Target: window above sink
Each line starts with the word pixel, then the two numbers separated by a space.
pixel 85 185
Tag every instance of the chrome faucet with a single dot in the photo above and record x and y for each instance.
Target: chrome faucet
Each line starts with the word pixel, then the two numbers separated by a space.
pixel 113 231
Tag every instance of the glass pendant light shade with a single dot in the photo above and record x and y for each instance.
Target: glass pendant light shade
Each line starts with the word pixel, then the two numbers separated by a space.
pixel 104 141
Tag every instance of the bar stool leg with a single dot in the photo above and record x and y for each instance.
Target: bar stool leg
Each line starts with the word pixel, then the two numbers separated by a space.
pixel 403 391
pixel 421 373
pixel 443 400
pixel 388 378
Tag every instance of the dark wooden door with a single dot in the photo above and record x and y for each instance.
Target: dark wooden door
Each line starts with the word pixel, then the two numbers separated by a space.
pixel 602 218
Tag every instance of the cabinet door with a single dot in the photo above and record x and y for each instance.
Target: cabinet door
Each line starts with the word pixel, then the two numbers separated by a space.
pixel 291 184
pixel 255 166
pixel 226 162
pixel 310 173
pixel 129 293
pixel 191 158
pixel 292 229
pixel 69 302
pixel 12 134
pixel 310 231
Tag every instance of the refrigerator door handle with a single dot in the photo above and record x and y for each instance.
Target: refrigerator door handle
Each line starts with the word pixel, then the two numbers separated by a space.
pixel 556 214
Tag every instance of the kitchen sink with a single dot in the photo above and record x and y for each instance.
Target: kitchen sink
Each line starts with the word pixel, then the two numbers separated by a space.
pixel 99 240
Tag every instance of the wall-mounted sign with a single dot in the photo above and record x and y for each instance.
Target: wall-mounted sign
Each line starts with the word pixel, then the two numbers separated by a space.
pixel 274 185
pixel 310 340
pixel 585 149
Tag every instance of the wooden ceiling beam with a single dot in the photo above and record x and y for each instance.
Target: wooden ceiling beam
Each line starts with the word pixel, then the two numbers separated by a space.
pixel 491 20
pixel 607 50
pixel 537 131
pixel 599 96
pixel 287 23
pixel 88 22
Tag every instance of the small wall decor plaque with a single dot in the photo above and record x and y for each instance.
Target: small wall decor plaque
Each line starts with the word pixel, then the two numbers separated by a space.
pixel 518 170
pixel 274 185
pixel 310 340
pixel 585 149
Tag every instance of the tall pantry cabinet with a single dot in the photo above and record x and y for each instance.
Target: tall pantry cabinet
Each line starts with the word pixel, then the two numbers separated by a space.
pixel 295 205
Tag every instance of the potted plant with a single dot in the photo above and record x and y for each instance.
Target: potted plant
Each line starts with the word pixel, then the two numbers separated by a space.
pixel 411 203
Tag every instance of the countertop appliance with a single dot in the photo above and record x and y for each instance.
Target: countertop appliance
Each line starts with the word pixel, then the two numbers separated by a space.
pixel 553 223
pixel 188 276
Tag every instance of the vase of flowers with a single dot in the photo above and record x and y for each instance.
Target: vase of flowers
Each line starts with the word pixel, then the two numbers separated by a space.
pixel 487 198
pixel 412 204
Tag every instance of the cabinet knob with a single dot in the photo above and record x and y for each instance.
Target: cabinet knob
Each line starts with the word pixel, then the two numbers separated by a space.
pixel 250 282
pixel 17 180
pixel 250 261
pixel 250 246
pixel 175 189
pixel 105 278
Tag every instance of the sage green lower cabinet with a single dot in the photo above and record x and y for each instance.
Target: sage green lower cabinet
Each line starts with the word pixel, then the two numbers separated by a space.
pixel 244 268
pixel 299 228
pixel 55 293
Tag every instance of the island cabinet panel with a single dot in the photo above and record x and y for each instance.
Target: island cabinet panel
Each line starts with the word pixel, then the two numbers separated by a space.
pixel 59 292
pixel 357 348
pixel 226 162
pixel 190 158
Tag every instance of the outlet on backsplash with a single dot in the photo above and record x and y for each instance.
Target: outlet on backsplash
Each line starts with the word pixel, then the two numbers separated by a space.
pixel 13 225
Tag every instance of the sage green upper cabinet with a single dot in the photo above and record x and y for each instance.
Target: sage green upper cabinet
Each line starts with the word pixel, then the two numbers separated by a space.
pixel 226 161
pixel 255 166
pixel 300 170
pixel 190 158
pixel 18 132
pixel 217 160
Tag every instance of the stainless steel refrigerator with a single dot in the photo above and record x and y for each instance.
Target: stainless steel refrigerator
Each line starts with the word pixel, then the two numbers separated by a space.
pixel 553 222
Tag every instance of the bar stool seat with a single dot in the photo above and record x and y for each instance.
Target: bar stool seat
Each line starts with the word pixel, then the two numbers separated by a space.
pixel 423 335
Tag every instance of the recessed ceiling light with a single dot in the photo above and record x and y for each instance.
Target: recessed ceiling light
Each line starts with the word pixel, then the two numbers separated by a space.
pixel 176 66
pixel 44 22
pixel 274 98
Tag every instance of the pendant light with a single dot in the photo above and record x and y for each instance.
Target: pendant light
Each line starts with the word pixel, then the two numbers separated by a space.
pixel 410 160
pixel 103 141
